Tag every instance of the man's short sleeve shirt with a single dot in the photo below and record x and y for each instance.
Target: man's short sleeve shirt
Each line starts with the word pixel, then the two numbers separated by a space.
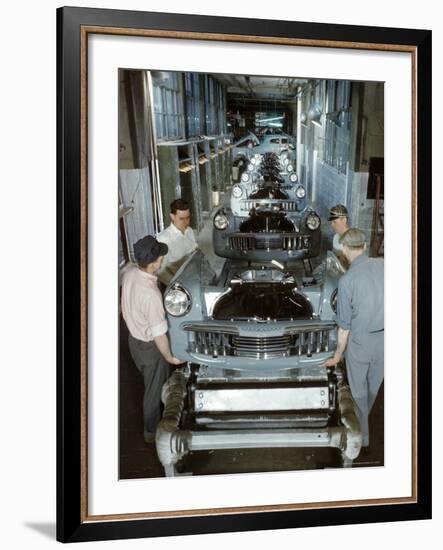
pixel 142 305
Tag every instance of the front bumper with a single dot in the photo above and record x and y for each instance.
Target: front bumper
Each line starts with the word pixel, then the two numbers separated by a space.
pixel 173 443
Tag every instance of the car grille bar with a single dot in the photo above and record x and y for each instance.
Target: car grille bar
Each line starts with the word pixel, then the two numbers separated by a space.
pixel 302 343
pixel 279 242
pixel 242 243
pixel 296 242
pixel 261 348
pixel 285 205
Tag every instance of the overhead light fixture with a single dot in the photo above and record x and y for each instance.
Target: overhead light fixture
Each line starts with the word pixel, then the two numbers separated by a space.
pixel 271 119
pixel 314 114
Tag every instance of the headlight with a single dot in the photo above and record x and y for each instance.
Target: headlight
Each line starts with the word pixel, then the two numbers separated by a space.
pixel 334 300
pixel 300 191
pixel 237 191
pixel 220 220
pixel 245 177
pixel 177 301
pixel 251 167
pixel 312 221
pixel 293 178
pixel 289 168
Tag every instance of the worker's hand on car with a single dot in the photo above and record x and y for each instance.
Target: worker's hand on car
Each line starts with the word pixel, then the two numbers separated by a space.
pixel 176 361
pixel 332 361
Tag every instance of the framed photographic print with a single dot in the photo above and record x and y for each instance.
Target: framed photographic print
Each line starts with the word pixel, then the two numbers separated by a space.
pixel 243 285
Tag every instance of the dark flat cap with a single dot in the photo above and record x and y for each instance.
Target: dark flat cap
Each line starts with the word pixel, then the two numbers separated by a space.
pixel 338 211
pixel 148 249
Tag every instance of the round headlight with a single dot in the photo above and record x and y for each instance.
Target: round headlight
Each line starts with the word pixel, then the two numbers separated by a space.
pixel 293 178
pixel 177 301
pixel 245 177
pixel 289 168
pixel 313 221
pixel 237 191
pixel 334 300
pixel 220 221
pixel 300 192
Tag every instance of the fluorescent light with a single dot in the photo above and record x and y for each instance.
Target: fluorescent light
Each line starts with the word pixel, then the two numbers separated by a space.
pixel 271 119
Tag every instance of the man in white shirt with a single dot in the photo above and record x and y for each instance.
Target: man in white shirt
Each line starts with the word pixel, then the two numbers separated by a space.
pixel 338 216
pixel 143 312
pixel 180 239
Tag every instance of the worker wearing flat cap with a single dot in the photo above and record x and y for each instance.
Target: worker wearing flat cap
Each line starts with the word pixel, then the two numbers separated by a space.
pixel 338 216
pixel 143 312
pixel 360 320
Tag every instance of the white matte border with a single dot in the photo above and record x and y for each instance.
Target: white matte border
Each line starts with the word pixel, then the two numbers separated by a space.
pixel 107 495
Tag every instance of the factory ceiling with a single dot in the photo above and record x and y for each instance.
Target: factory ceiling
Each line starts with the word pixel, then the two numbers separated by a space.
pixel 270 88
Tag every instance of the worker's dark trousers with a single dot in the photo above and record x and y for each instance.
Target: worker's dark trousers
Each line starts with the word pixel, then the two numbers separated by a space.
pixel 155 371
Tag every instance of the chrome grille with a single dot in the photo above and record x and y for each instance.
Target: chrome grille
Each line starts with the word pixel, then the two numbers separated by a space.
pixel 268 243
pixel 287 206
pixel 247 206
pixel 209 343
pixel 261 348
pixel 296 242
pixel 242 243
pixel 278 242
pixel 302 343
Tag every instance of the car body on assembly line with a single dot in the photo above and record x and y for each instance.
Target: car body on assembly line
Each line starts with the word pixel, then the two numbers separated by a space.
pixel 251 145
pixel 268 216
pixel 255 338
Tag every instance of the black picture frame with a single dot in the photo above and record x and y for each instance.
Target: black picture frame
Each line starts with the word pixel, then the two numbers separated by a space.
pixel 73 24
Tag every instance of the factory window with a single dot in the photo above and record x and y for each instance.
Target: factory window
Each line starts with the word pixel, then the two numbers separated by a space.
pixel 338 124
pixel 192 94
pixel 221 109
pixel 168 107
pixel 211 106
pixel 215 103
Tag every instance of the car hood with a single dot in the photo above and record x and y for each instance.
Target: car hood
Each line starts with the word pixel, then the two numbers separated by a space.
pixel 267 221
pixel 263 301
pixel 269 192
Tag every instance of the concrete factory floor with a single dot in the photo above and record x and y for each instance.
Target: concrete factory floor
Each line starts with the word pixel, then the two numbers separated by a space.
pixel 139 460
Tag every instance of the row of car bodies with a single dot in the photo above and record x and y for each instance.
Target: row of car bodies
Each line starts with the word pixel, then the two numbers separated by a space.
pixel 251 145
pixel 268 217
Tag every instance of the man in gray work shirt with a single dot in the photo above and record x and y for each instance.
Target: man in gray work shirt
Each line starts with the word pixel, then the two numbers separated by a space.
pixel 360 320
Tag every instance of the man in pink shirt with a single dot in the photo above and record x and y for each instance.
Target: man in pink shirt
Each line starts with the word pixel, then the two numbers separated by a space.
pixel 143 312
